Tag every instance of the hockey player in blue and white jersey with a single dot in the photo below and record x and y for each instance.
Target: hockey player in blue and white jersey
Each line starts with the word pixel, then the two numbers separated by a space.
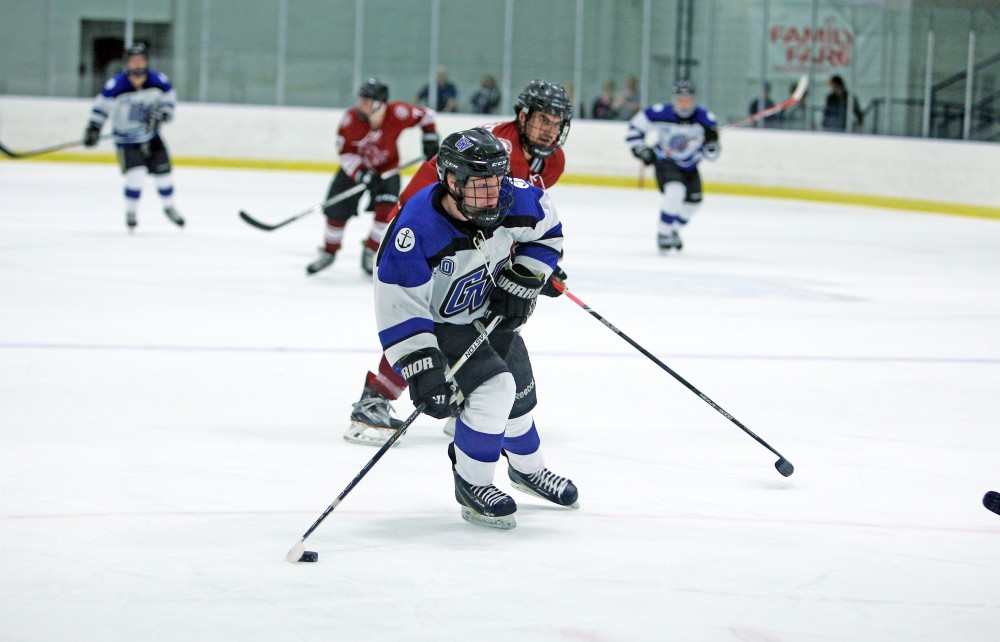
pixel 686 133
pixel 137 101
pixel 475 244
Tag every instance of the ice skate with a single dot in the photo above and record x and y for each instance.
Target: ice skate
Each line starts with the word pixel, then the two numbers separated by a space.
pixel 323 261
pixel 372 423
pixel 669 241
pixel 368 260
pixel 547 485
pixel 483 505
pixel 174 217
pixel 130 221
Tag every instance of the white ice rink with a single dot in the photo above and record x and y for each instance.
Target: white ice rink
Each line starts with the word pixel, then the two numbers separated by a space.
pixel 172 405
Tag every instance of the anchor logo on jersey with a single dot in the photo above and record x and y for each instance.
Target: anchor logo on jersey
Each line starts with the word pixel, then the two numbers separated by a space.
pixel 405 240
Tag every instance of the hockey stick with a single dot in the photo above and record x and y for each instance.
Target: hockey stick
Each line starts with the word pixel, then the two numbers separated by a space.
pixel 782 465
pixel 991 500
pixel 797 94
pixel 298 552
pixel 44 150
pixel 357 189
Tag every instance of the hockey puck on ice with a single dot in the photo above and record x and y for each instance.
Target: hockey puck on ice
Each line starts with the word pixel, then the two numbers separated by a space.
pixel 309 556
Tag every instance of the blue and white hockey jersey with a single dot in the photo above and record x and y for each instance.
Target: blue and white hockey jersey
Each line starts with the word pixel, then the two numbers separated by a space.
pixel 128 107
pixel 678 139
pixel 432 268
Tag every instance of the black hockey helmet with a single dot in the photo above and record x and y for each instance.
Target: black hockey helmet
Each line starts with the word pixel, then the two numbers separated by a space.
pixel 375 89
pixel 548 98
pixel 683 88
pixel 475 153
pixel 136 49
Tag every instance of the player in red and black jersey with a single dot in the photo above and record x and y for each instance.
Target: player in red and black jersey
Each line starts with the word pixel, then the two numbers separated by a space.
pixel 367 144
pixel 534 140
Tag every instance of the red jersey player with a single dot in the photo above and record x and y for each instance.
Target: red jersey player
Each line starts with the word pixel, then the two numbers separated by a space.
pixel 367 144
pixel 534 140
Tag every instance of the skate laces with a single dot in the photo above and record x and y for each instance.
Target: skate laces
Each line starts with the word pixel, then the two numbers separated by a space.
pixel 549 482
pixel 374 407
pixel 491 495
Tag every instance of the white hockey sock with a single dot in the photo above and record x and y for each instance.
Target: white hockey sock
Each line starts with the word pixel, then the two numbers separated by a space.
pixel 523 427
pixel 688 210
pixel 133 188
pixel 479 431
pixel 165 185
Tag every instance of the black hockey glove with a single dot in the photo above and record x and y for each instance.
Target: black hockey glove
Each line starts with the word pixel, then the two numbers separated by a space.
pixel 159 114
pixel 644 153
pixel 370 177
pixel 515 294
pixel 91 135
pixel 424 371
pixel 431 144
pixel 710 150
pixel 558 277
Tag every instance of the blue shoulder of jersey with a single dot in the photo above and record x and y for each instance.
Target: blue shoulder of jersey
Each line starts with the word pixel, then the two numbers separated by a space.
pixel 526 208
pixel 158 80
pixel 419 233
pixel 704 117
pixel 116 86
pixel 662 113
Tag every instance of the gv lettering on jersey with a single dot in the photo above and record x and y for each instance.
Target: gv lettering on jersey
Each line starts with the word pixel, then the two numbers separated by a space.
pixel 469 292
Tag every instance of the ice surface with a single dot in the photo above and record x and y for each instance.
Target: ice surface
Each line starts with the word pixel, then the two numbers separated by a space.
pixel 172 405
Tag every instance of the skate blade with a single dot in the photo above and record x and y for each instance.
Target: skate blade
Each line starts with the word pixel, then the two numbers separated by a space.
pixel 527 490
pixel 367 435
pixel 506 523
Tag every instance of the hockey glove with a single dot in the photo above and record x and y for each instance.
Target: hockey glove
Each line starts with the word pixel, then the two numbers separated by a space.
pixel 424 371
pixel 558 277
pixel 644 153
pixel 431 144
pixel 91 135
pixel 711 150
pixel 370 177
pixel 159 114
pixel 515 294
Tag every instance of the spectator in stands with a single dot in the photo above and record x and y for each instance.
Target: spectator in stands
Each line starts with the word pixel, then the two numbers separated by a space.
pixel 774 120
pixel 604 105
pixel 487 97
pixel 447 94
pixel 838 103
pixel 627 104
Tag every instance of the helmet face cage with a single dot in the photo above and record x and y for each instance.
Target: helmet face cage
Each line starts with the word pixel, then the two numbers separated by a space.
pixel 683 88
pixel 471 154
pixel 548 98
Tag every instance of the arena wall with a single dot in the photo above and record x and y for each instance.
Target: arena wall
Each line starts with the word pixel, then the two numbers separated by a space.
pixel 926 175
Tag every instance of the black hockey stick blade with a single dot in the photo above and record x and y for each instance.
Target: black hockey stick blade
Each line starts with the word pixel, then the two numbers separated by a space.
pixel 784 467
pixel 270 227
pixel 260 224
pixel 991 500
